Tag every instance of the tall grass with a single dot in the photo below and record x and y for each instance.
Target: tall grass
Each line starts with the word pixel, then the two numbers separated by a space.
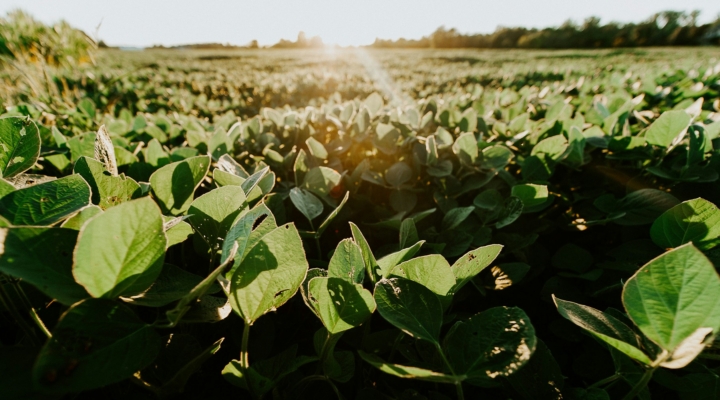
pixel 33 56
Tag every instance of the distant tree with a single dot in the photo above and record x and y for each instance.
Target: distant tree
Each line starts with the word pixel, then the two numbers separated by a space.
pixel 667 28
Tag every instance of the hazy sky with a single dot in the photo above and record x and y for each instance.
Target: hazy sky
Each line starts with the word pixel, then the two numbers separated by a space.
pixel 357 22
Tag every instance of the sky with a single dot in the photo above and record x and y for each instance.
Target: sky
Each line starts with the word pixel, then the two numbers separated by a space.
pixel 144 23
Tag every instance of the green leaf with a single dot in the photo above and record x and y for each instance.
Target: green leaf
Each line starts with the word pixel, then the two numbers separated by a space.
pixel 243 234
pixel 643 206
pixel 199 307
pixel 252 185
pixel 431 150
pixel 530 194
pixel 665 129
pixel 78 220
pixel 173 185
pixel 576 148
pixel 388 262
pixel 387 138
pixel 264 375
pixel 6 187
pixel 82 145
pixel 374 102
pixel 675 301
pixel 410 307
pixel 316 148
pixel 408 233
pixel 269 275
pixel 398 174
pixel 496 157
pixel 228 164
pixel 408 372
pixel 19 145
pixel 371 264
pixel 340 304
pixel 495 342
pixel 97 342
pixel 213 214
pixel 431 271
pixel 511 211
pixel 696 221
pixel 46 203
pixel 178 361
pixel 455 217
pixel 172 284
pixel 605 327
pixel 329 219
pixel 176 230
pixel 552 149
pixel 155 155
pixel 468 123
pixel 472 263
pixel 42 258
pixel 309 205
pixel 466 148
pixel 541 378
pixel 321 180
pixel 347 262
pixel 121 251
pixel 107 190
pixel 488 199
pixel 223 178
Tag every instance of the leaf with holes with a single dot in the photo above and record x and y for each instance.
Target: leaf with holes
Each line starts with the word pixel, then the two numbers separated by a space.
pixel 46 203
pixel 472 263
pixel 493 343
pixel 107 190
pixel 431 271
pixel 347 262
pixel 410 307
pixel 19 145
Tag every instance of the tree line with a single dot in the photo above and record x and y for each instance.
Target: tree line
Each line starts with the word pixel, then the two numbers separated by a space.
pixel 667 28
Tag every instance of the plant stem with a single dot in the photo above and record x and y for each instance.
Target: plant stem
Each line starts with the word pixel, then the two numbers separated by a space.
pixel 17 315
pixel 244 360
pixel 33 314
pixel 317 241
pixel 642 383
pixel 328 346
pixel 459 390
pixel 39 323
pixel 605 381
pixel 458 383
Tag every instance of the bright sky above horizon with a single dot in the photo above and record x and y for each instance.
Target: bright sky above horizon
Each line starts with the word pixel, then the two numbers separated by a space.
pixel 171 22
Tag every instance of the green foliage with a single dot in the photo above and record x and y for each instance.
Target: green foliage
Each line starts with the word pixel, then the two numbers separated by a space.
pixel 20 142
pixel 121 251
pixel 415 226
